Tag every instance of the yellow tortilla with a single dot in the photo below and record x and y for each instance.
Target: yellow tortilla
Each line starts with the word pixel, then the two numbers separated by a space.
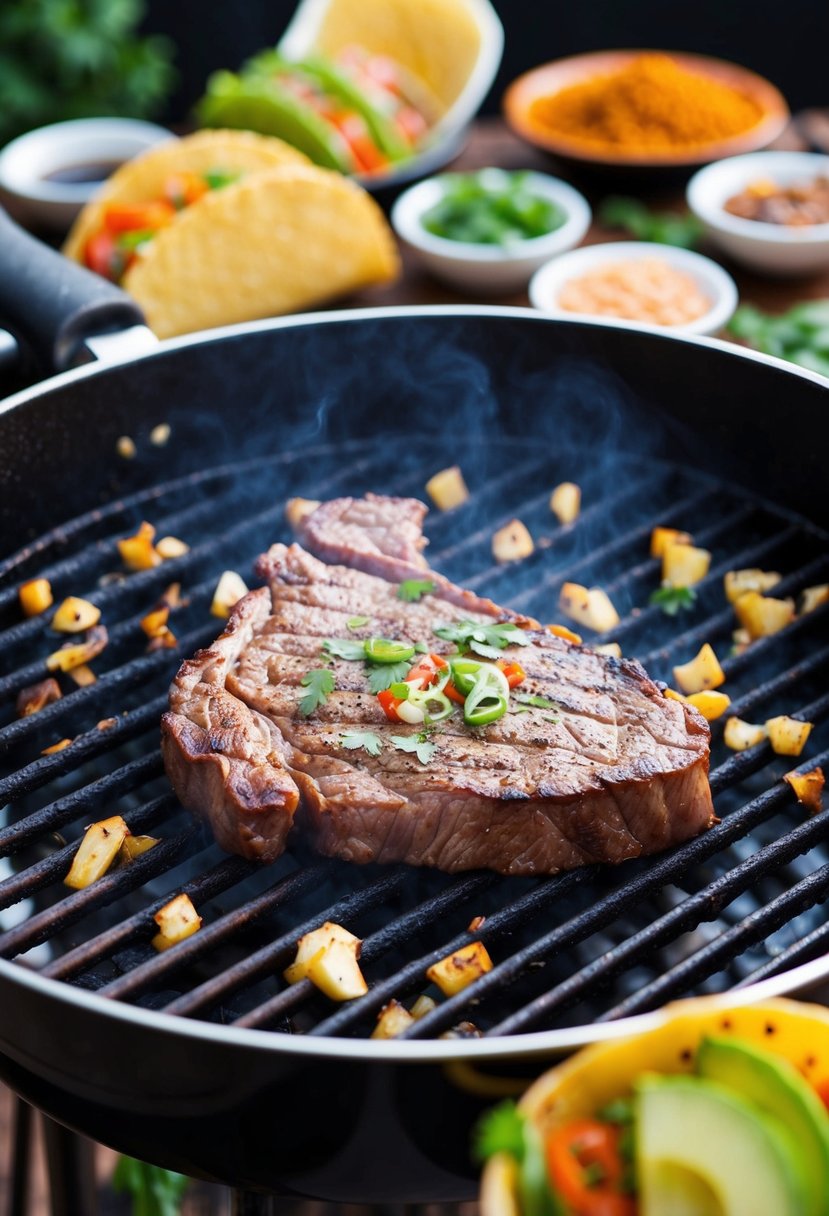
pixel 142 179
pixel 278 241
pixel 438 41
pixel 591 1078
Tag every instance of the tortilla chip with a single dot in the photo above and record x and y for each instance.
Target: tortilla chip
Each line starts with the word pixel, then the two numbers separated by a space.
pixel 439 41
pixel 142 179
pixel 275 242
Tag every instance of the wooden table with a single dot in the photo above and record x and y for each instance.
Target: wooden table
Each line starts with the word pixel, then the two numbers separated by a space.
pixel 492 143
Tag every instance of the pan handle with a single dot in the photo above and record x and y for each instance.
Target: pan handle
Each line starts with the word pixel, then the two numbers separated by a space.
pixel 54 304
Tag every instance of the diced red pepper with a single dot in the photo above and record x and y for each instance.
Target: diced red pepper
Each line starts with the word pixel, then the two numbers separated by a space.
pixel 132 217
pixel 389 703
pixel 427 671
pixel 184 188
pixel 352 126
pixel 102 255
pixel 514 672
pixel 576 1153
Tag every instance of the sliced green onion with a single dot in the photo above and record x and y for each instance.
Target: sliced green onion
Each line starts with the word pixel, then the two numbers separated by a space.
pixel 435 704
pixel 384 650
pixel 488 699
pixel 466 673
pixel 400 691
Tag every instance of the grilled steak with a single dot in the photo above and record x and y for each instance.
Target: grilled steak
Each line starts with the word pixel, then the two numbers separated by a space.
pixel 599 766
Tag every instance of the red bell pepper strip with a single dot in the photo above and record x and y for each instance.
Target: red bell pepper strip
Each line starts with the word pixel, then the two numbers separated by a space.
pixel 513 671
pixel 586 1168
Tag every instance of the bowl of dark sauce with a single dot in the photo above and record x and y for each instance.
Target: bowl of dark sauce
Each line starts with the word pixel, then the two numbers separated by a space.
pixel 48 174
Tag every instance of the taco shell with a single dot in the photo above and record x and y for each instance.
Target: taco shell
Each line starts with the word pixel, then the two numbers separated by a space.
pixel 142 179
pixel 593 1077
pixel 275 242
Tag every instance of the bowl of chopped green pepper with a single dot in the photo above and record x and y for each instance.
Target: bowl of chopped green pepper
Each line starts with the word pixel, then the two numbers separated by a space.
pixel 488 231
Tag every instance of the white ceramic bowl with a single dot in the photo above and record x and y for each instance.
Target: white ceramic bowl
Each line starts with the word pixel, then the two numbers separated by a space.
pixel 773 249
pixel 717 285
pixel 28 161
pixel 482 269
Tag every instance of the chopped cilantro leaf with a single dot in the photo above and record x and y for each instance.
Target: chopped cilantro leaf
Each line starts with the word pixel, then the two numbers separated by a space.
pixel 356 622
pixel 418 744
pixel 485 640
pixel 501 1130
pixel 366 739
pixel 383 675
pixel 672 599
pixel 421 647
pixel 413 588
pixel 344 648
pixel 528 699
pixel 320 684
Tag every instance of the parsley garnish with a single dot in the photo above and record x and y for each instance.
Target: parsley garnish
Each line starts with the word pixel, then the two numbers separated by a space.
pixel 344 648
pixel 320 684
pixel 383 675
pixel 672 599
pixel 366 739
pixel 503 1129
pixel 356 622
pixel 418 744
pixel 485 640
pixel 413 588
pixel 527 698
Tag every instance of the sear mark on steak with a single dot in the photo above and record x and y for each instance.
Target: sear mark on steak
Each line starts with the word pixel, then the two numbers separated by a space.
pixel 615 771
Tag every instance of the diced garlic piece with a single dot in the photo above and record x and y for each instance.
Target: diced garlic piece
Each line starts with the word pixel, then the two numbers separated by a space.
pixel 565 502
pixel 738 582
pixel 423 1005
pixel 37 696
pixel 561 631
pixel 75 615
pixel 100 846
pixel 814 597
pixel 160 434
pixel 512 542
pixel 229 590
pixel 35 596
pixel 447 489
pixel 125 447
pixel 56 747
pixel 672 695
pixel 138 552
pixel 808 787
pixel 455 972
pixel 662 537
pixel 787 736
pixel 171 546
pixel 176 921
pixel 591 608
pixel 740 735
pixel 83 676
pixel 761 615
pixel 165 639
pixel 711 704
pixel 613 649
pixel 392 1020
pixel 328 957
pixel 296 509
pixel 701 672
pixel 76 654
pixel 134 846
pixel 683 565
pixel 155 622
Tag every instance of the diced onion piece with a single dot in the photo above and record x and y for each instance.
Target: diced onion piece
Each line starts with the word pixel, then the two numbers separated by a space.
pixel 662 537
pixel 808 788
pixel 561 631
pixel 392 1020
pixel 155 622
pixel 447 489
pixel 740 735
pixel 160 434
pixel 35 596
pixel 171 546
pixel 165 639
pixel 591 608
pixel 683 565
pixel 673 695
pixel 328 957
pixel 296 509
pixel 100 846
pixel 787 736
pixel 83 675
pixel 701 672
pixel 76 654
pixel 125 447
pixel 455 972
pixel 423 1005
pixel 711 704
pixel 134 846
pixel 613 649
pixel 565 502
pixel 176 921
pixel 37 696
pixel 761 615
pixel 512 542
pixel 138 552
pixel 56 747
pixel 75 615
pixel 229 590
pixel 813 597
pixel 738 582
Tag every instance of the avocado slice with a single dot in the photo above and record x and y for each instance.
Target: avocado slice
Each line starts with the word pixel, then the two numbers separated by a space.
pixel 777 1088
pixel 702 1150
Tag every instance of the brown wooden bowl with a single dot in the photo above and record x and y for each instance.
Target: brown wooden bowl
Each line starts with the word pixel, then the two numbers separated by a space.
pixel 550 78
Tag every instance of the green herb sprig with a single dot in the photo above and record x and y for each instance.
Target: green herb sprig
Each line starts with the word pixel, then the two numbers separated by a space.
pixel 320 685
pixel 663 227
pixel 154 1191
pixel 491 207
pixel 485 640
pixel 673 599
pixel 800 335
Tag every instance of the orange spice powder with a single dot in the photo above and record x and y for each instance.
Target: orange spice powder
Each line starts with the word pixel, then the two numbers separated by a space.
pixel 650 105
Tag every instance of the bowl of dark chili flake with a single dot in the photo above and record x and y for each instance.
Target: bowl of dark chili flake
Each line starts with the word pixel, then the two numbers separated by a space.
pixel 633 110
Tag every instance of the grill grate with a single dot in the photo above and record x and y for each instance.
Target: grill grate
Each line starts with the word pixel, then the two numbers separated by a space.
pixel 738 903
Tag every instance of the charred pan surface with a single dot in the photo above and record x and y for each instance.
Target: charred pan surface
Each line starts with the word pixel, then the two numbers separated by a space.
pixel 614 771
